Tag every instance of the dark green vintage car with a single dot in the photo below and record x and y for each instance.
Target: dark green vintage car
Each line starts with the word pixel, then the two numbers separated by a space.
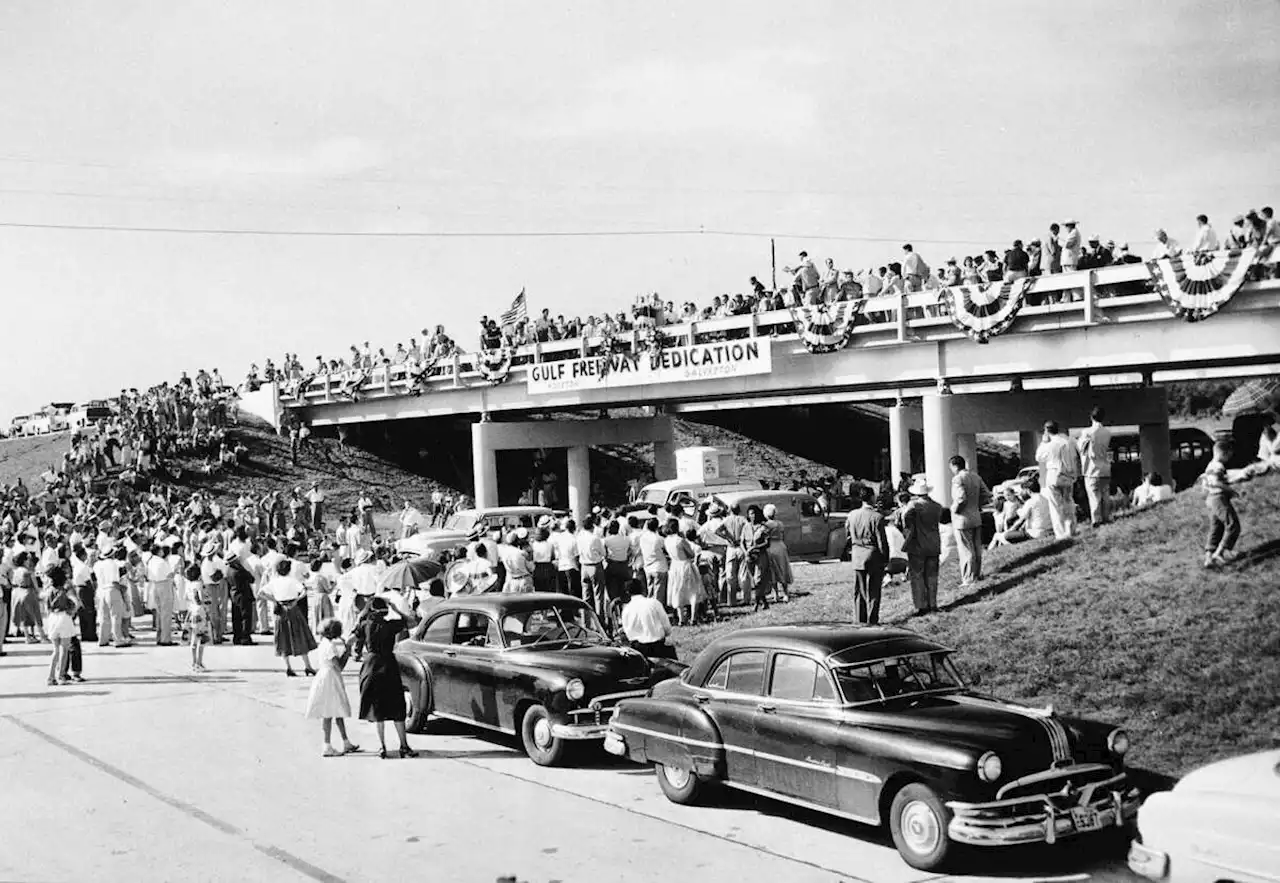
pixel 538 666
pixel 876 725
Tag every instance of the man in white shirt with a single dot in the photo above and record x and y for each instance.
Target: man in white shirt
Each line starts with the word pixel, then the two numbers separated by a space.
pixel 1059 469
pixel 564 542
pixel 160 594
pixel 914 269
pixel 1094 446
pixel 591 554
pixel 653 554
pixel 1033 520
pixel 1166 246
pixel 646 624
pixel 1152 490
pixel 410 520
pixel 108 570
pixel 213 577
pixel 1071 246
pixel 315 497
pixel 1206 237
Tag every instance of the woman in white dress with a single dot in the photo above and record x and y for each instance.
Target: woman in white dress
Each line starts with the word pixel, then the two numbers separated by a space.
pixel 327 701
pixel 683 583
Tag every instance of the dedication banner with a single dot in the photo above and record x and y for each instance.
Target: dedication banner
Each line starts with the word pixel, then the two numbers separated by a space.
pixel 705 361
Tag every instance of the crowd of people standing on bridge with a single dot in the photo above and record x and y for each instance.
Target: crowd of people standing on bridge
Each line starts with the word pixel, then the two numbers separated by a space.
pixel 1062 248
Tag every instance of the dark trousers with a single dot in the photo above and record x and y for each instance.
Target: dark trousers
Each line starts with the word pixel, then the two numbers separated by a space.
pixel 75 657
pixel 1224 526
pixel 655 649
pixel 866 594
pixel 88 612
pixel 241 616
pixel 569 582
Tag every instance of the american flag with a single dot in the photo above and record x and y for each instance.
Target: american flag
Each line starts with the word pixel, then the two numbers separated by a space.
pixel 517 312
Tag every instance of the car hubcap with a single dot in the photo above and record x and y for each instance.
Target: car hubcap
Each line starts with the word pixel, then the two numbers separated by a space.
pixel 920 828
pixel 676 778
pixel 542 734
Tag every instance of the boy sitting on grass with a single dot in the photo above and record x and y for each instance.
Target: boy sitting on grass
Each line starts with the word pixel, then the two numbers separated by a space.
pixel 1224 523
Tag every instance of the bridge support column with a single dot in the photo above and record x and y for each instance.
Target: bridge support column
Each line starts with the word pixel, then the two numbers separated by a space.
pixel 1153 448
pixel 579 458
pixel 902 419
pixel 939 445
pixel 484 464
pixel 967 447
pixel 1028 444
pixel 664 460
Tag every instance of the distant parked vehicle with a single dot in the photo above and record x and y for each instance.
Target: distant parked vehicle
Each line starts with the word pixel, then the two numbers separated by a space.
pixel 1220 823
pixel 812 534
pixel 88 413
pixel 468 525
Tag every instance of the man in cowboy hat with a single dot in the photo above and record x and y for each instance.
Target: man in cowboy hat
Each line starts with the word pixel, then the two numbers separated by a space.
pixel 922 541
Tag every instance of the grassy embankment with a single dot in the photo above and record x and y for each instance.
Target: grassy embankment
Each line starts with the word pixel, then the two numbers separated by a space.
pixel 1123 625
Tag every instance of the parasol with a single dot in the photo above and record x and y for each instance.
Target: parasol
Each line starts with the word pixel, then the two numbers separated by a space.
pixel 1252 397
pixel 409 574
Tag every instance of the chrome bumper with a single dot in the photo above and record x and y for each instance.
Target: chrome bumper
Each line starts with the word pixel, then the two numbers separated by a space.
pixel 1150 863
pixel 1037 819
pixel 579 732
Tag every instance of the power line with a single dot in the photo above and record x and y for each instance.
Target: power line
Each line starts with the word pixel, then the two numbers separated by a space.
pixel 476 234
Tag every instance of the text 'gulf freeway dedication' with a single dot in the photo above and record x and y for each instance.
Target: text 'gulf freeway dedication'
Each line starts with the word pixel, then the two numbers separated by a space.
pixel 710 361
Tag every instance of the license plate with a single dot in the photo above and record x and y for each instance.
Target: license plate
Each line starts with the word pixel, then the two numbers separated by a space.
pixel 1086 819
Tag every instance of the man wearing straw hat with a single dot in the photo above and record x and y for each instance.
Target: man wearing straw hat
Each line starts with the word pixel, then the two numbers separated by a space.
pixel 922 541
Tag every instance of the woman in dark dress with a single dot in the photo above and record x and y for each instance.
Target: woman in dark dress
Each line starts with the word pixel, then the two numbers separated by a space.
pixel 381 691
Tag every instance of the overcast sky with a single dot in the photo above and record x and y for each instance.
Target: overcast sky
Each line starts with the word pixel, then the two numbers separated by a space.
pixel 950 125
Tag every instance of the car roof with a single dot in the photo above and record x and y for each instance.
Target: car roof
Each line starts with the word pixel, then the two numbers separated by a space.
pixel 843 643
pixel 503 603
pixel 732 497
pixel 508 510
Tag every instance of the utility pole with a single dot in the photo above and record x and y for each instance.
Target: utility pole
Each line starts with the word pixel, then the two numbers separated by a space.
pixel 773 263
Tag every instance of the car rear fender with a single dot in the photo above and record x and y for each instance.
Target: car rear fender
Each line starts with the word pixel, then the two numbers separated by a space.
pixel 416 676
pixel 672 733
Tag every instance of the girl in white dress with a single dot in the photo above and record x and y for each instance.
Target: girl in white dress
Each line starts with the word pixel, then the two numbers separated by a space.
pixel 328 698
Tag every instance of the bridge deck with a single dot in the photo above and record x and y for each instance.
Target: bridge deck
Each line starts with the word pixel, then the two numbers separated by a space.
pixel 1103 320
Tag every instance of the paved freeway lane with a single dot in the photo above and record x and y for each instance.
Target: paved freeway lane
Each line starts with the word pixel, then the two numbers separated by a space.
pixel 163 776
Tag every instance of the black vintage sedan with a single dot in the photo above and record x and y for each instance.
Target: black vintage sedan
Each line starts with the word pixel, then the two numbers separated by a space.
pixel 876 725
pixel 535 665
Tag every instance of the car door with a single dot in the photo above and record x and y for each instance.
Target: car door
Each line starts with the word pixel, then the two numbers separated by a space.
pixel 813 529
pixel 472 660
pixel 730 696
pixel 797 731
pixel 436 636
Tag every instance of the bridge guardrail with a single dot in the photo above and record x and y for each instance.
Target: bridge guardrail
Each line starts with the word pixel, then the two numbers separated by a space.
pixel 1054 302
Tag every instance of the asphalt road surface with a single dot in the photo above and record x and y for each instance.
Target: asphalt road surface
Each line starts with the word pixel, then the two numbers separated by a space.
pixel 149 773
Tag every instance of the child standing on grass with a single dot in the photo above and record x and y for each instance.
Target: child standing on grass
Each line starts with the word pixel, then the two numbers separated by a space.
pixel 1224 523
pixel 198 621
pixel 328 698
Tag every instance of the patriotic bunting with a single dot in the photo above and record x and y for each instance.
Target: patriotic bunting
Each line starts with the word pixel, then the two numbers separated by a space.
pixel 825 328
pixel 494 365
pixel 419 375
pixel 1195 285
pixel 983 311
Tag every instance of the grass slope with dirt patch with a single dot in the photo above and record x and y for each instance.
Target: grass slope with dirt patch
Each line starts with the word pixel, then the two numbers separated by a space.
pixel 1122 625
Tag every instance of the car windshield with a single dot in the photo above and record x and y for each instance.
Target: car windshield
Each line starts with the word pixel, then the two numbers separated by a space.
pixel 654 495
pixel 461 522
pixel 553 624
pixel 896 677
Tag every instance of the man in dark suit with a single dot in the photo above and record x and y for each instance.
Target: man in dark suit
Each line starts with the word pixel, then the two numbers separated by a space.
pixel 869 553
pixel 968 495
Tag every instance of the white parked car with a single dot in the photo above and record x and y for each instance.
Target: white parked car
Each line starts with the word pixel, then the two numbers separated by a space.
pixel 1219 823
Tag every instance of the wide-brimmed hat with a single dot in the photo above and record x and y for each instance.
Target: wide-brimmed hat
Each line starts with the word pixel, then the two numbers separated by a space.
pixel 919 487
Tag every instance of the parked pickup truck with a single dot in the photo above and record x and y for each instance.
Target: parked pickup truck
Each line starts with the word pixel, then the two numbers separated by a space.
pixel 812 534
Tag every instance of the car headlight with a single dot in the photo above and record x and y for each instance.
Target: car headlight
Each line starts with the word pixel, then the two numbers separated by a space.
pixel 575 689
pixel 990 767
pixel 1118 742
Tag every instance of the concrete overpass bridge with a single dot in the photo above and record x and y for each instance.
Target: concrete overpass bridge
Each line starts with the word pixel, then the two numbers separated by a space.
pixel 1108 339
